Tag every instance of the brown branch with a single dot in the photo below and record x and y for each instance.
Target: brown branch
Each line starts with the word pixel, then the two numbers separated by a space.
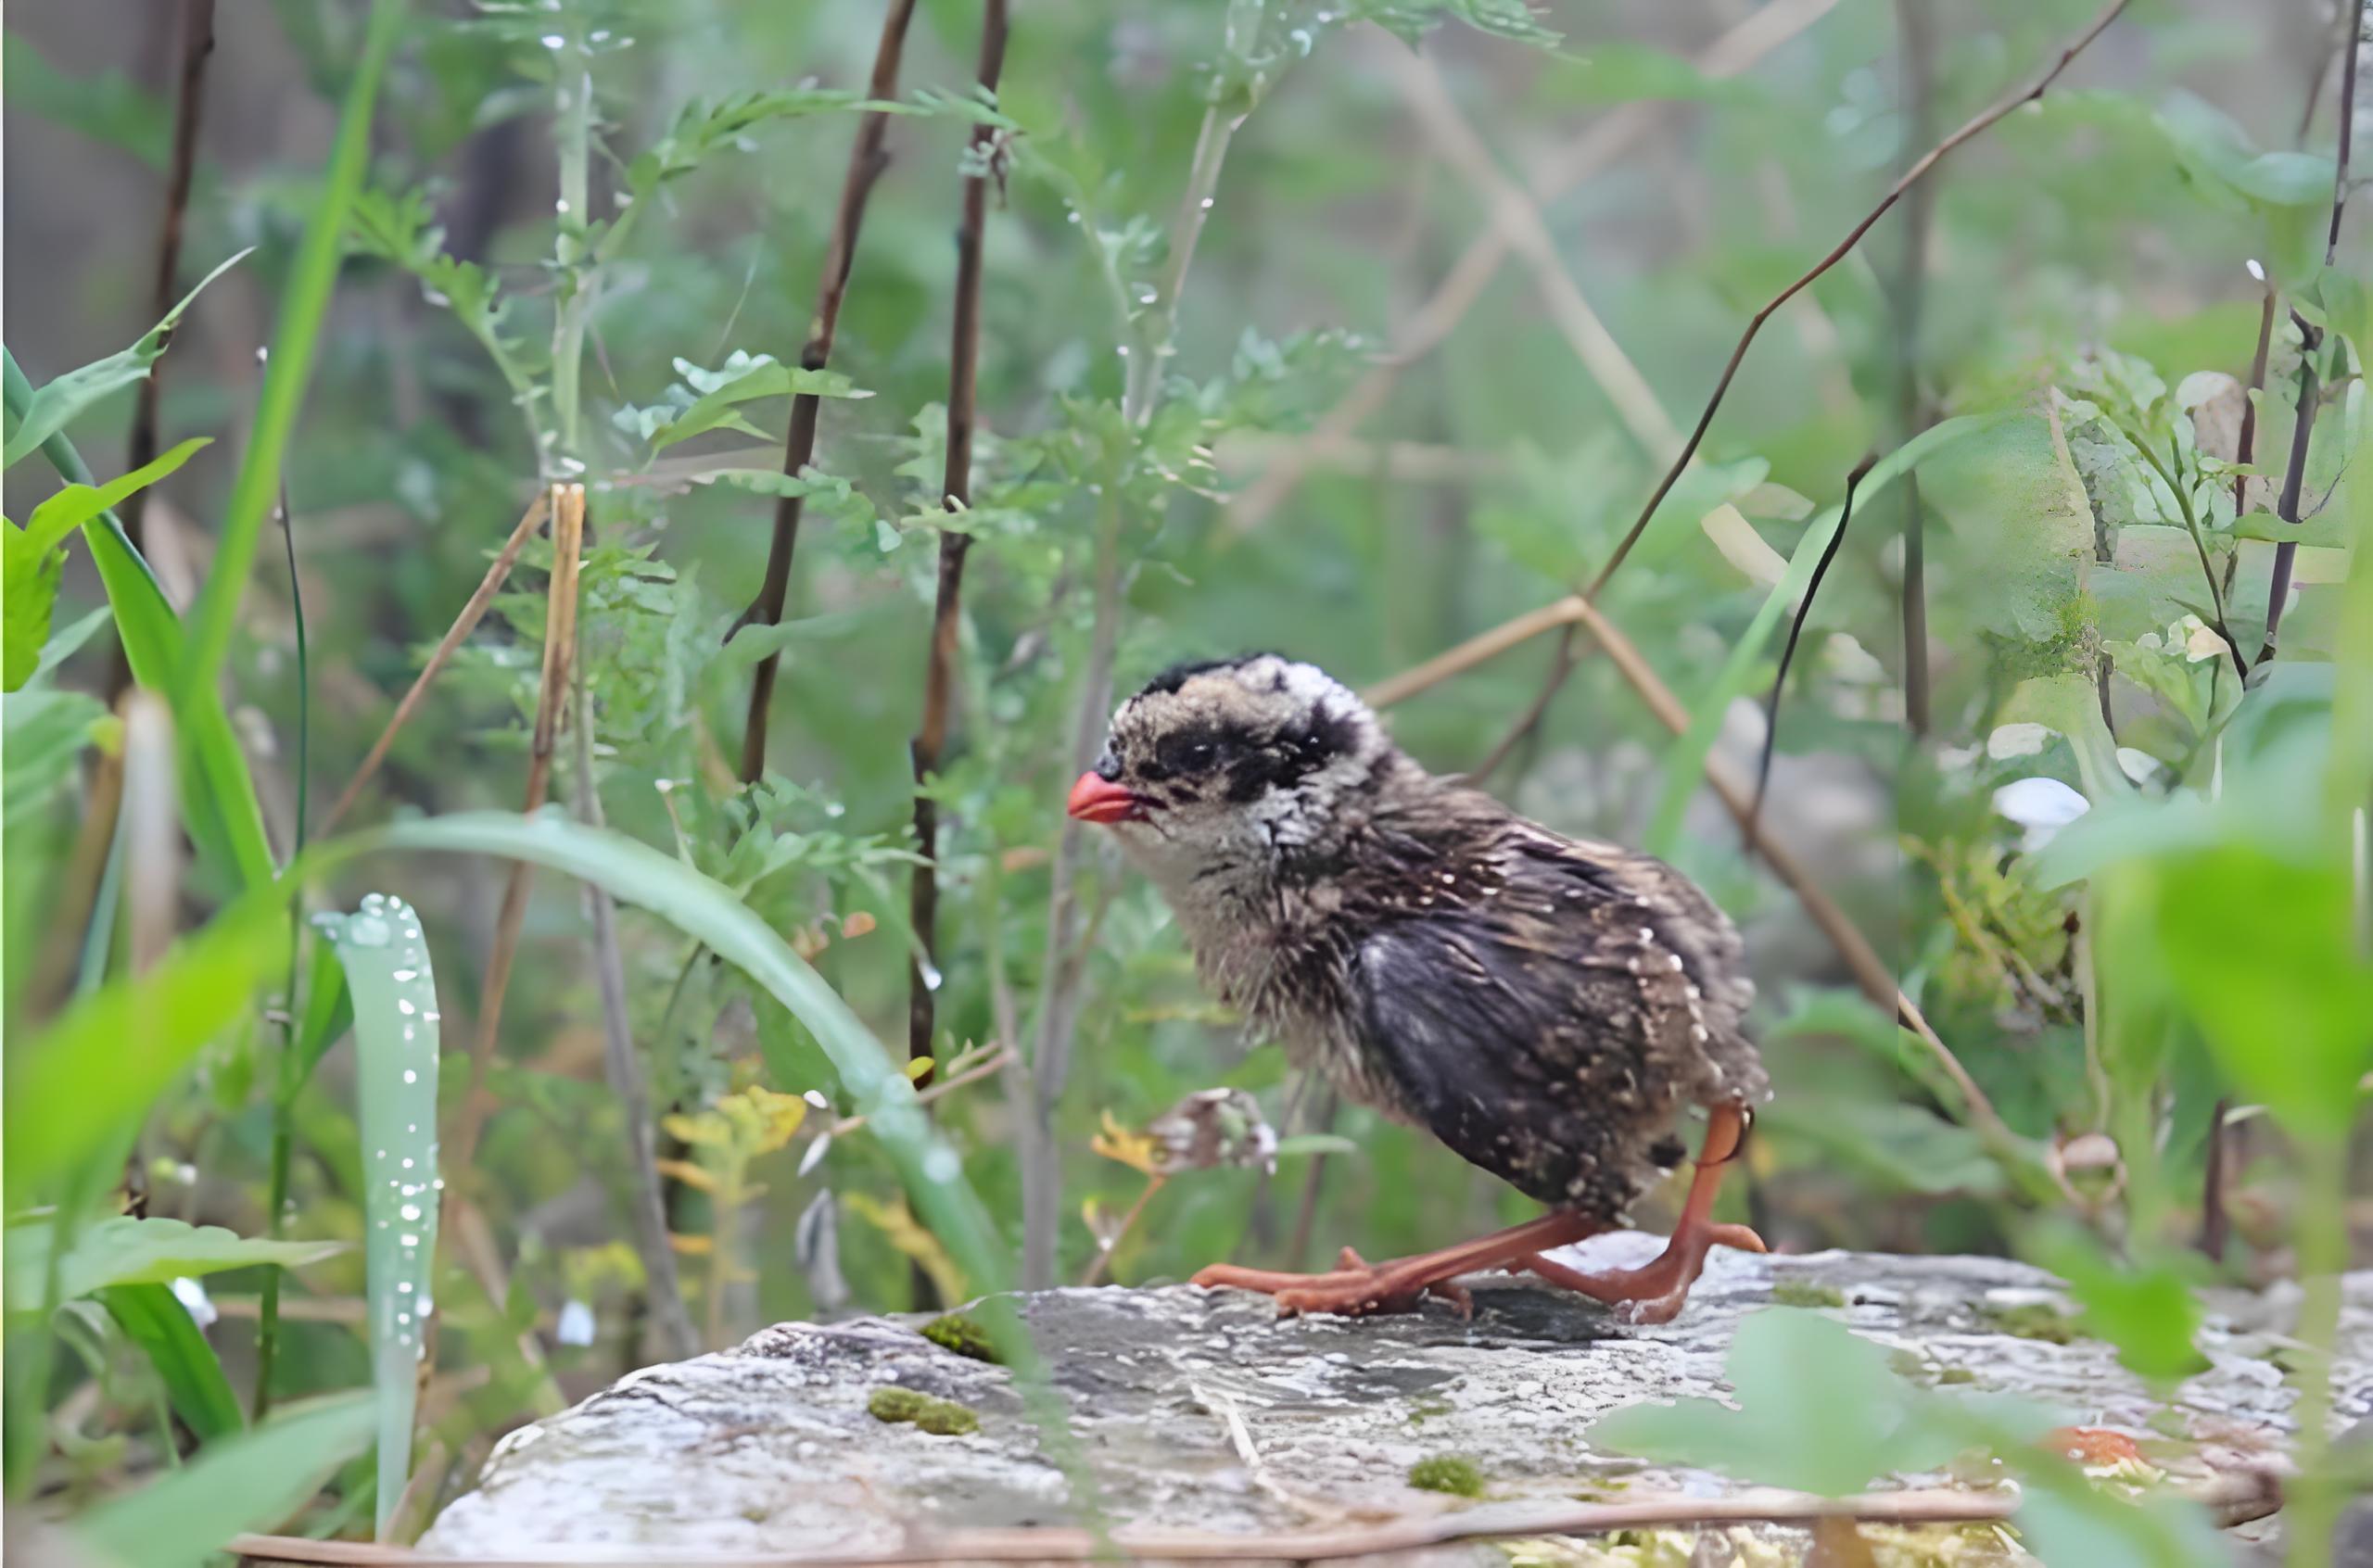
pixel 1470 276
pixel 2310 340
pixel 939 675
pixel 2247 447
pixel 464 624
pixel 568 504
pixel 867 161
pixel 1563 665
pixel 189 100
pixel 2234 1496
pixel 998 1059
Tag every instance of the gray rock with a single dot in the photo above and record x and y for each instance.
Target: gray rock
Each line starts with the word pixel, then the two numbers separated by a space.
pixel 1203 1409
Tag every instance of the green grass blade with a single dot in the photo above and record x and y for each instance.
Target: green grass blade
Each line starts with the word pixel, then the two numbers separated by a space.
pixel 153 1318
pixel 250 1483
pixel 708 911
pixel 1684 760
pixel 123 1250
pixel 103 1063
pixel 219 793
pixel 303 303
pixel 394 1036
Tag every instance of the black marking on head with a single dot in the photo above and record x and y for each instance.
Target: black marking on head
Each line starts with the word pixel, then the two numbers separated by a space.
pixel 1179 674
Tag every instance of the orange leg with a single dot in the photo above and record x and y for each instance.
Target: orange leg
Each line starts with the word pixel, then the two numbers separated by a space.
pixel 1356 1288
pixel 1654 1292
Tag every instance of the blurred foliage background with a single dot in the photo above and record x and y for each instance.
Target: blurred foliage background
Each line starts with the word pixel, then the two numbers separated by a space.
pixel 1424 326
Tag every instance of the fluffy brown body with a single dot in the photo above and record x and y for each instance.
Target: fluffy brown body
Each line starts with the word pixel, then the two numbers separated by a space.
pixel 1545 1006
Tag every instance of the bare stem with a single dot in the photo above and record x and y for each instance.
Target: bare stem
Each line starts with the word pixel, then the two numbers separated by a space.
pixel 1103 1259
pixel 2311 339
pixel 560 647
pixel 464 624
pixel 1917 24
pixel 963 381
pixel 189 100
pixel 867 159
pixel 662 1290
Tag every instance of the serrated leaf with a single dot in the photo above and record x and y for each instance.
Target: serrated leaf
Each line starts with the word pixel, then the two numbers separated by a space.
pixel 716 409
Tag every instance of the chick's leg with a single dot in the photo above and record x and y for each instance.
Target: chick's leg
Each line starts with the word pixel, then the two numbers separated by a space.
pixel 1359 1288
pixel 1656 1291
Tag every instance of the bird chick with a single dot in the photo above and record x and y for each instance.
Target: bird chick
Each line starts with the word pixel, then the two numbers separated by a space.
pixel 1548 1007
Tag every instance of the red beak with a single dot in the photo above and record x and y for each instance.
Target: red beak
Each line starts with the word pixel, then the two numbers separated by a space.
pixel 1096 799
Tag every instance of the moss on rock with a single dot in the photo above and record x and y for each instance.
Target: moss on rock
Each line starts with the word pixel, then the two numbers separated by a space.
pixel 943 1418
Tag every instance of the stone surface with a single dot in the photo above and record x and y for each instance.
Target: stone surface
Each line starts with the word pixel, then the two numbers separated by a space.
pixel 1203 1409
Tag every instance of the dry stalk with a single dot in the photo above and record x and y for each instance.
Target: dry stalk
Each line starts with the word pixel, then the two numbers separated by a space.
pixel 464 624
pixel 867 159
pixel 1426 328
pixel 568 507
pixel 2234 1496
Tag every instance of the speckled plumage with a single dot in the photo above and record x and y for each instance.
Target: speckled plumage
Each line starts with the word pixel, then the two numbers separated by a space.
pixel 1545 1006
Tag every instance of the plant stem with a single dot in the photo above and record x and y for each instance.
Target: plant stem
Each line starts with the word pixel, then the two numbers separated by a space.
pixel 1917 26
pixel 2321 1232
pixel 1103 1259
pixel 573 145
pixel 2310 338
pixel 189 98
pixel 867 161
pixel 661 1289
pixel 956 496
pixel 283 1099
pixel 1065 969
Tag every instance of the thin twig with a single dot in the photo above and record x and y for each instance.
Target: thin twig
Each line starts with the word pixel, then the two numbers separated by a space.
pixel 662 1290
pixel 2234 1495
pixel 1106 1248
pixel 551 700
pixel 867 159
pixel 955 544
pixel 1470 276
pixel 2246 450
pixel 999 1059
pixel 189 101
pixel 1788 652
pixel 464 624
pixel 1917 25
pixel 1562 666
pixel 2310 340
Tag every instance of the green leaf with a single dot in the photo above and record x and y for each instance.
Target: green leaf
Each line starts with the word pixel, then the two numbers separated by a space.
pixel 2008 508
pixel 396 1032
pixel 123 1251
pixel 2219 152
pixel 305 296
pixel 1784 1363
pixel 107 107
pixel 2326 530
pixel 768 379
pixel 33 562
pixel 2263 953
pixel 706 910
pixel 253 1482
pixel 1902 1148
pixel 102 1063
pixel 219 794
pixel 329 1012
pixel 2149 1312
pixel 2069 706
pixel 153 1318
pixel 56 404
pixel 46 731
